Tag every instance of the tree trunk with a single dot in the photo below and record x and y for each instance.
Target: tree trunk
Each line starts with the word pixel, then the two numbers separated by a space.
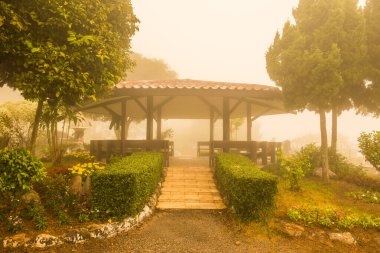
pixel 36 124
pixel 334 130
pixel 324 146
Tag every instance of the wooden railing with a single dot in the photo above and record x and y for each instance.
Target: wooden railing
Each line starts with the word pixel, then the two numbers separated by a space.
pixel 260 152
pixel 103 149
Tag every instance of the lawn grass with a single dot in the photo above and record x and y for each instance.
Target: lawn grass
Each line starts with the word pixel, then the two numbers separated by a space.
pixel 315 193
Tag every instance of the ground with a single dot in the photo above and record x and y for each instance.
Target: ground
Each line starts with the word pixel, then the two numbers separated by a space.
pixel 207 231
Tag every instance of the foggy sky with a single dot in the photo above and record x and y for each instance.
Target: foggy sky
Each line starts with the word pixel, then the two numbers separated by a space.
pixel 225 40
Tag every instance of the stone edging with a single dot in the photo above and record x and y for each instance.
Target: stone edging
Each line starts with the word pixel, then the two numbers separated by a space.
pixel 84 234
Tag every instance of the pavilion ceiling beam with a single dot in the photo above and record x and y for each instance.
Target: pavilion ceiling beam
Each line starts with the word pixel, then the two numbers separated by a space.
pixel 160 105
pixel 138 102
pixel 105 103
pixel 116 118
pixel 253 101
pixel 261 114
pixel 210 105
pixel 236 105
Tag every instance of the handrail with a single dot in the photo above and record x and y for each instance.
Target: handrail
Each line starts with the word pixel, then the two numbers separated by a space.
pixel 103 149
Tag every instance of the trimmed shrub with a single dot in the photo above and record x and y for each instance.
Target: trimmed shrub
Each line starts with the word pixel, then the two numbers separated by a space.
pixel 248 189
pixel 124 187
pixel 19 170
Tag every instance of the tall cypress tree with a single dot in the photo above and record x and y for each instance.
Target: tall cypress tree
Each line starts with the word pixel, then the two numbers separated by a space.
pixel 318 60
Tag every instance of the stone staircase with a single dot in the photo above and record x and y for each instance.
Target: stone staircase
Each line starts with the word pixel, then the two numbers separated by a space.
pixel 191 187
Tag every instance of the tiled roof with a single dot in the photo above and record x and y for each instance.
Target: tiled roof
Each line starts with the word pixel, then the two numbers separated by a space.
pixel 192 84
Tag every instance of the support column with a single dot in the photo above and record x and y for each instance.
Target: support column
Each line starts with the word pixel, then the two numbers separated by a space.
pixel 159 124
pixel 212 123
pixel 226 119
pixel 211 146
pixel 123 125
pixel 149 119
pixel 226 122
pixel 249 122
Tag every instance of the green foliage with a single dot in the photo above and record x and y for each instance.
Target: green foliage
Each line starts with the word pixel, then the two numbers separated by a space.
pixel 372 15
pixel 19 170
pixel 363 180
pixel 331 218
pixel 124 187
pixel 341 167
pixel 58 198
pixel 296 166
pixel 369 144
pixel 293 171
pixel 150 69
pixel 63 53
pixel 319 60
pixel 367 196
pixel 248 190
pixel 37 212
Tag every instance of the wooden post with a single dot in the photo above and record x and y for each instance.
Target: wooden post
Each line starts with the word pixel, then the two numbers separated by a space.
pixel 254 151
pixel 149 119
pixel 264 153
pixel 212 123
pixel 249 122
pixel 210 146
pixel 159 124
pixel 226 121
pixel 123 121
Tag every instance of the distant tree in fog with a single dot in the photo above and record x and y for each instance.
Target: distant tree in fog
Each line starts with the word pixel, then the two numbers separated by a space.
pixel 150 69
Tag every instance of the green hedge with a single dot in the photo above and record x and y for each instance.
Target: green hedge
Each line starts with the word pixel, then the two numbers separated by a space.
pixel 124 187
pixel 248 189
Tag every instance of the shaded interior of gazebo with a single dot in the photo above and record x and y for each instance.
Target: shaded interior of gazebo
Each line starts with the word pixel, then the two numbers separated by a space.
pixel 187 99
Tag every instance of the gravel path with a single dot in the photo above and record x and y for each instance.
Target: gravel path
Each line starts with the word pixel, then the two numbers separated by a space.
pixel 189 231
pixel 172 231
pixel 200 231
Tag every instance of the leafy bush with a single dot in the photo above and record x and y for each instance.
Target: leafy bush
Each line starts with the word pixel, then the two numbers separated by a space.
pixel 331 218
pixel 363 180
pixel 248 189
pixel 36 211
pixel 58 197
pixel 341 167
pixel 19 170
pixel 124 187
pixel 369 144
pixel 296 166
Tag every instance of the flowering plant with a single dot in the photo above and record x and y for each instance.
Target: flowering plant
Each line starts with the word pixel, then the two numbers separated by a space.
pixel 328 217
pixel 14 223
pixel 368 196
pixel 85 169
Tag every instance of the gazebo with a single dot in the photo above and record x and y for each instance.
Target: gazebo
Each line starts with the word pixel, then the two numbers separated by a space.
pixel 155 100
